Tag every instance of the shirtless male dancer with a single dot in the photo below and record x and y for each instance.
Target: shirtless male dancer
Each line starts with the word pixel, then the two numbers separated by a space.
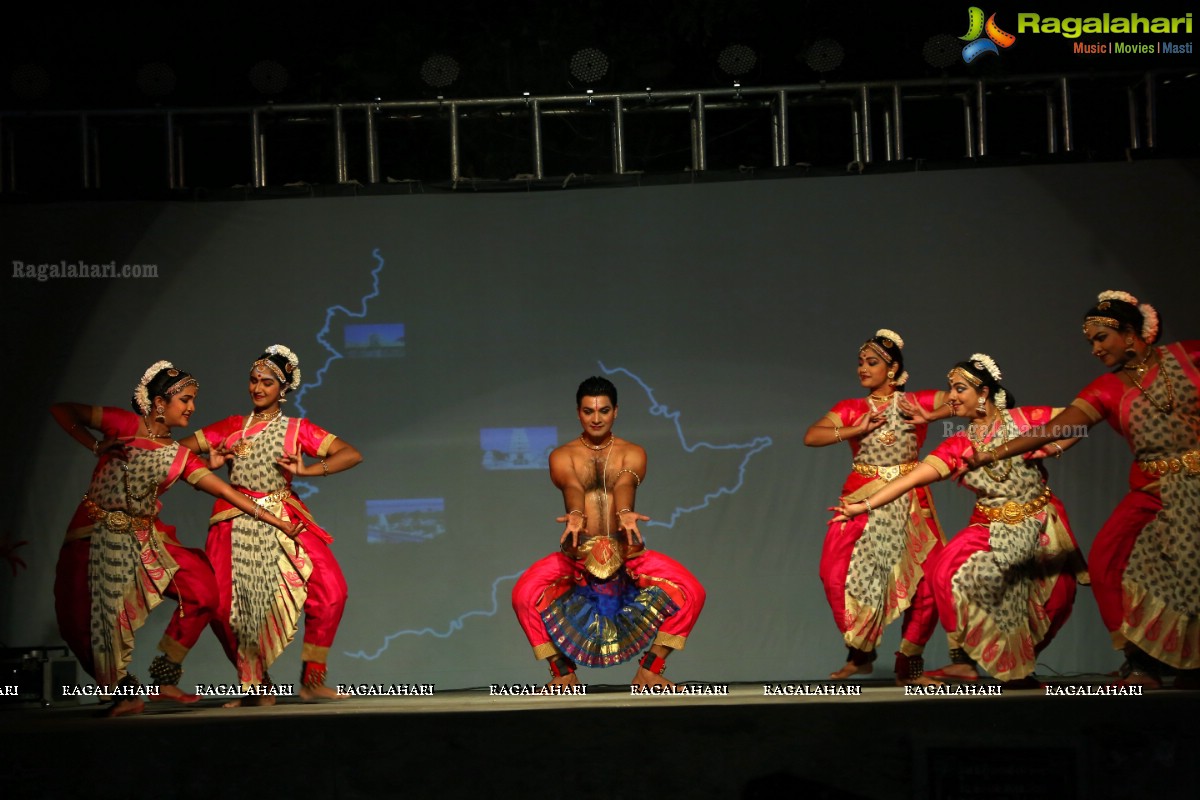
pixel 604 597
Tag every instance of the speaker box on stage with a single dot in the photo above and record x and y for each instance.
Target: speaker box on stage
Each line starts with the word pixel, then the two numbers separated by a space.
pixel 37 675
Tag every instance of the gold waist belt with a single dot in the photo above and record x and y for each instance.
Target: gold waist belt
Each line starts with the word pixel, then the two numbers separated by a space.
pixel 602 556
pixel 887 473
pixel 277 496
pixel 1189 462
pixel 118 521
pixel 1013 512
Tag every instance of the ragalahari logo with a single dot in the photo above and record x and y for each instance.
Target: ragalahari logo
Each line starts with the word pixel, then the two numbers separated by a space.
pixel 976 28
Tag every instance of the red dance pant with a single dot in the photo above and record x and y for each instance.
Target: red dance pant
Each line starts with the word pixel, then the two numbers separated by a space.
pixel 556 572
pixel 1109 555
pixel 193 587
pixel 327 592
pixel 920 618
pixel 73 601
pixel 974 540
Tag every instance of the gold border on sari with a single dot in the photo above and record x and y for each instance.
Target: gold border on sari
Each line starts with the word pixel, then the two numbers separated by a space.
pixel 326 443
pixel 1087 408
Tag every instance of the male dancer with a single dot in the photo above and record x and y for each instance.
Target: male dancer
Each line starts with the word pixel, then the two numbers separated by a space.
pixel 604 596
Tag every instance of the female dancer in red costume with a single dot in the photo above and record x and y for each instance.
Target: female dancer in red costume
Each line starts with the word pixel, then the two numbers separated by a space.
pixel 872 573
pixel 119 560
pixel 260 595
pixel 1146 559
pixel 1005 584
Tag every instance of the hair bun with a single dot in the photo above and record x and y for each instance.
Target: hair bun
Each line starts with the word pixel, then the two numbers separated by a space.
pixel 885 333
pixel 984 361
pixel 1124 297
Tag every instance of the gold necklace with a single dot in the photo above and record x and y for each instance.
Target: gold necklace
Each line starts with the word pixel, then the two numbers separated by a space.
pixel 1143 365
pixel 599 447
pixel 1138 372
pixel 265 416
pixel 244 445
pixel 979 444
pixel 129 495
pixel 887 436
pixel 151 434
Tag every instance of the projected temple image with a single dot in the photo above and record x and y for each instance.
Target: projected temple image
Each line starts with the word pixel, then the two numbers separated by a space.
pixel 374 341
pixel 410 520
pixel 517 448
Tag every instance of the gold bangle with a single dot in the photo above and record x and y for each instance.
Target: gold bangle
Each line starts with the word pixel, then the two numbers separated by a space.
pixel 867 503
pixel 324 469
pixel 575 511
pixel 637 478
pixel 837 432
pixel 625 511
pixel 96 447
pixel 1057 447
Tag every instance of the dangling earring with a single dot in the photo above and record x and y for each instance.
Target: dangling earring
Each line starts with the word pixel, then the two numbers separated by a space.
pixel 1130 353
pixel 159 414
pixel 981 405
pixel 892 378
pixel 282 398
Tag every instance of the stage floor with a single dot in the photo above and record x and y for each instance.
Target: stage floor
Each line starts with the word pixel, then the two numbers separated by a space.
pixel 773 740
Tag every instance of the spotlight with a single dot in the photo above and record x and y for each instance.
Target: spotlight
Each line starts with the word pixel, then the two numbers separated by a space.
pixel 737 59
pixel 439 71
pixel 156 79
pixel 268 77
pixel 824 55
pixel 941 50
pixel 30 81
pixel 589 65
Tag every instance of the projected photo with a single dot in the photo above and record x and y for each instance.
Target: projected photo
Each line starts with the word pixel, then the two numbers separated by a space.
pixel 374 341
pixel 517 448
pixel 409 520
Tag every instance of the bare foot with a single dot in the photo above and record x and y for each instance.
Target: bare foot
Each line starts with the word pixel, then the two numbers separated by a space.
pixel 123 708
pixel 311 694
pixel 956 672
pixel 1137 677
pixel 169 691
pixel 250 701
pixel 851 669
pixel 923 680
pixel 644 677
pixel 570 679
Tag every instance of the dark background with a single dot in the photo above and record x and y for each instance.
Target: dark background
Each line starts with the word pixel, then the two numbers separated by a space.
pixel 56 61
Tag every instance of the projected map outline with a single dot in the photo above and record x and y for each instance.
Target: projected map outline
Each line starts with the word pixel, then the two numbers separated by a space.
pixel 657 409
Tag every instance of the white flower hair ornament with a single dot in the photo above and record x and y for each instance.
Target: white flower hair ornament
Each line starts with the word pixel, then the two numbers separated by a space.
pixel 901 379
pixel 141 395
pixel 293 365
pixel 1124 297
pixel 1001 399
pixel 1149 323
pixel 984 361
pixel 890 334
